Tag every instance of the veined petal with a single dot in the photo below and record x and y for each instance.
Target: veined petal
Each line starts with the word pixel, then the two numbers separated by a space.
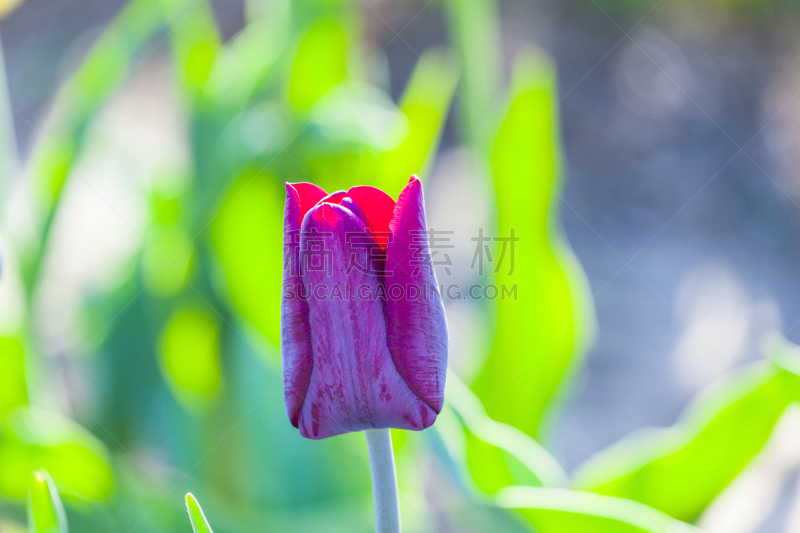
pixel 295 328
pixel 354 384
pixel 415 319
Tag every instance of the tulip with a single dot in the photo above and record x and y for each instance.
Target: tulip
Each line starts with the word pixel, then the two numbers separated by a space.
pixel 364 337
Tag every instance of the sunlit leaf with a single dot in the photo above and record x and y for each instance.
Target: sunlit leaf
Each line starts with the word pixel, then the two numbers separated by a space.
pixel 189 354
pixel 499 455
pixel 13 389
pixel 34 439
pixel 248 238
pixel 425 103
pixel 45 510
pixel 559 511
pixel 320 63
pixel 543 312
pixel 680 470
pixel 198 519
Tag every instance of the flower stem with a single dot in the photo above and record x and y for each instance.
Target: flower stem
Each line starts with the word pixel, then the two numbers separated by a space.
pixel 384 481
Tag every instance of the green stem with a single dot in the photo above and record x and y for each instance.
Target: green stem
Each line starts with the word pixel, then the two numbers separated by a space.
pixel 384 481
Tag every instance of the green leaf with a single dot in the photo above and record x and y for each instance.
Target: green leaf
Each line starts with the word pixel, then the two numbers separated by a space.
pixel 189 355
pixel 360 114
pixel 247 235
pixel 196 41
pixel 45 510
pixel 474 28
pixel 109 60
pixel 246 63
pixel 320 63
pixel 13 389
pixel 425 104
pixel 558 511
pixel 199 522
pixel 308 471
pixel 680 470
pixel 544 312
pixel 167 260
pixel 102 71
pixel 499 455
pixel 34 439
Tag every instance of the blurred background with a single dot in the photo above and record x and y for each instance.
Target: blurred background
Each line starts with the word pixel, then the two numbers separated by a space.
pixel 143 148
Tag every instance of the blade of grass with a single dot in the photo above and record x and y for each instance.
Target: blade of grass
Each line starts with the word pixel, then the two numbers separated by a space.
pixel 198 519
pixel 45 510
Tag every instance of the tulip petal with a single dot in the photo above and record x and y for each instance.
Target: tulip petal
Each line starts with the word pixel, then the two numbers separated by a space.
pixel 377 208
pixel 354 384
pixel 341 198
pixel 308 195
pixel 415 319
pixel 295 330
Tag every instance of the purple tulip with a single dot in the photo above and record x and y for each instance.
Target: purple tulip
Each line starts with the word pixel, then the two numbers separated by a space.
pixel 364 337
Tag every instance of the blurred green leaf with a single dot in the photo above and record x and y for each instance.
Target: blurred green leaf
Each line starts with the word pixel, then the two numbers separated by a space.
pixel 309 472
pixel 167 260
pixel 559 511
pixel 199 522
pixel 425 104
pixel 247 234
pixel 45 510
pixel 51 169
pixel 246 63
pixel 475 29
pixel 34 439
pixel 196 41
pixel 103 70
pixel 108 62
pixel 543 321
pixel 320 63
pixel 361 114
pixel 190 356
pixel 499 455
pixel 680 470
pixel 13 388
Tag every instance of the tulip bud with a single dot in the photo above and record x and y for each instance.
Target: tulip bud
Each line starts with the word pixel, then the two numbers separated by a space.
pixel 363 336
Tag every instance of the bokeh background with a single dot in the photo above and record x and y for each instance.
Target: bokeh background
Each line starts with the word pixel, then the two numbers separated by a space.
pixel 144 146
